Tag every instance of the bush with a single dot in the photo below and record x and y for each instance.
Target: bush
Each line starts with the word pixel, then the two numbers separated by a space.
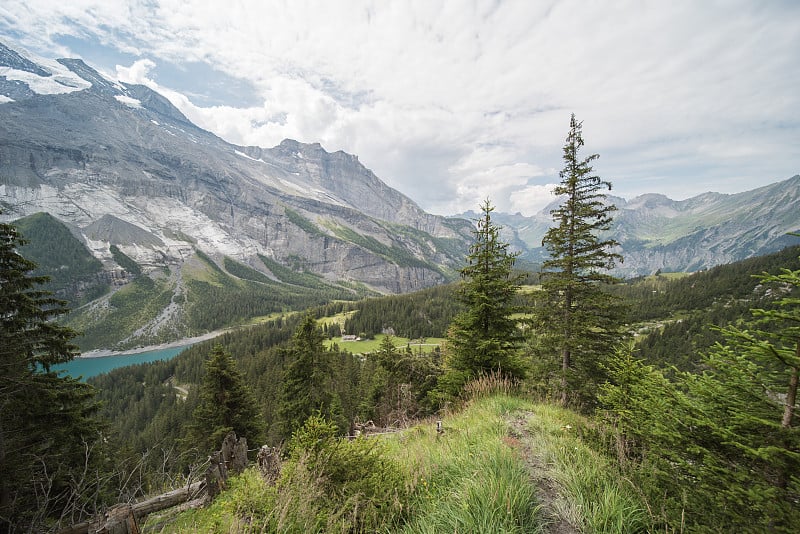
pixel 333 484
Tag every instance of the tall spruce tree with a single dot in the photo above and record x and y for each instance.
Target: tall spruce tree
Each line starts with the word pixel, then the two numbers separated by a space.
pixel 48 423
pixel 226 404
pixel 485 337
pixel 308 381
pixel 577 319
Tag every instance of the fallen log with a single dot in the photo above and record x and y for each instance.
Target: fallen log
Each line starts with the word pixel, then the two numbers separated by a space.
pixel 122 517
pixel 168 500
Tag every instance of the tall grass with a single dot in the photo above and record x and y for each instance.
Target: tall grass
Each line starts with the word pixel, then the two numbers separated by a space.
pixel 470 478
pixel 593 496
pixel 479 475
pixel 489 384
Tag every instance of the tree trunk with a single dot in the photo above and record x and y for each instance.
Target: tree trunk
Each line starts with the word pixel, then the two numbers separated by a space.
pixel 566 354
pixel 5 491
pixel 168 500
pixel 565 363
pixel 791 394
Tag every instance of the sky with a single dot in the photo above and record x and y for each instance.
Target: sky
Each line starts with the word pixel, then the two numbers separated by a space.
pixel 453 102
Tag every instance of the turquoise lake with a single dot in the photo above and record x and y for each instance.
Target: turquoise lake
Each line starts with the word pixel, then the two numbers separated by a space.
pixel 89 367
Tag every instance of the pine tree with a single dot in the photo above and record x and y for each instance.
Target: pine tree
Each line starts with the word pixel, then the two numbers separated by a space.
pixel 577 319
pixel 48 423
pixel 226 404
pixel 485 337
pixel 307 381
pixel 744 424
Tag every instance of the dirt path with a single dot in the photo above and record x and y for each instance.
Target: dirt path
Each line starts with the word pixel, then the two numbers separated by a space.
pixel 547 490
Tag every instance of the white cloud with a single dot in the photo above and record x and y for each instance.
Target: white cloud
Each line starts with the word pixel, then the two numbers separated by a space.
pixel 136 73
pixel 453 102
pixel 532 199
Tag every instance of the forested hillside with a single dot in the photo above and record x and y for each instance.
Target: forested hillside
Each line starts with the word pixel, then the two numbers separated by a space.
pixel 75 275
pixel 674 315
pixel 152 408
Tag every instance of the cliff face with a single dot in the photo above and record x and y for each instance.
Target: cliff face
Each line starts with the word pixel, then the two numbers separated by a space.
pixel 90 150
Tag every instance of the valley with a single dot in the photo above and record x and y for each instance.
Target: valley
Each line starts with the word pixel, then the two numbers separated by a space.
pixel 605 365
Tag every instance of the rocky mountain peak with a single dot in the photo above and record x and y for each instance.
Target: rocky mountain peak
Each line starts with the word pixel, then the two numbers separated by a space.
pixel 127 168
pixel 13 60
pixel 100 84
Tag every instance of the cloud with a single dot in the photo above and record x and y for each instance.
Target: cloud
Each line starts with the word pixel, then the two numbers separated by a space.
pixel 532 199
pixel 454 102
pixel 136 73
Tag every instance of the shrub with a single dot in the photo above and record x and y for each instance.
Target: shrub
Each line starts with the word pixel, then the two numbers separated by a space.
pixel 333 484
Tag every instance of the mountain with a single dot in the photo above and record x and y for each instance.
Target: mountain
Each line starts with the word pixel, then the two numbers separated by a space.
pixel 132 177
pixel 193 233
pixel 658 233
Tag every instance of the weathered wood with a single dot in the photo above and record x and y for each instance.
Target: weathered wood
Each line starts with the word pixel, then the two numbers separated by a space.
pixel 77 528
pixel 216 476
pixel 121 518
pixel 234 452
pixel 269 463
pixel 168 500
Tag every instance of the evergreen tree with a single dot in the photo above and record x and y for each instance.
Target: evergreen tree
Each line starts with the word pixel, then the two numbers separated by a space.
pixel 226 403
pixel 577 319
pixel 399 391
pixel 48 425
pixel 485 336
pixel 307 381
pixel 719 450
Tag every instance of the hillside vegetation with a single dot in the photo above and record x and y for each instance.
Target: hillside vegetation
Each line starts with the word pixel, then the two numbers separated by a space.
pixel 75 275
pixel 151 419
pixel 502 464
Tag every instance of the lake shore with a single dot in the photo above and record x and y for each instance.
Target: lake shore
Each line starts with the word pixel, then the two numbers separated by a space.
pixel 101 353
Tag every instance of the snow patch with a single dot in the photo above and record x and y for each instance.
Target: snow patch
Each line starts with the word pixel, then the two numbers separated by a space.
pixel 128 101
pixel 242 154
pixel 4 99
pixel 62 80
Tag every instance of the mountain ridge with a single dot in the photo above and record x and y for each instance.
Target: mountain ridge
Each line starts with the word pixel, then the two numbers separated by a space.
pixel 146 191
pixel 128 150
pixel 656 232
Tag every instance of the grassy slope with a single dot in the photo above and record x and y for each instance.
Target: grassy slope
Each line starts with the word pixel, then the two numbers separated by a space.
pixel 503 464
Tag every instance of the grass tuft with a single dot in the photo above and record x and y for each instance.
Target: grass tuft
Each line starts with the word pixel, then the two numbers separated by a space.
pixel 592 494
pixel 489 384
pixel 468 478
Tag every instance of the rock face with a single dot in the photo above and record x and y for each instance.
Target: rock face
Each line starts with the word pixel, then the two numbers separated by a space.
pixel 707 230
pixel 125 167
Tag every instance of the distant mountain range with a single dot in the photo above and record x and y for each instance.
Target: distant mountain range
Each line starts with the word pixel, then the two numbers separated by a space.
pixel 657 233
pixel 156 229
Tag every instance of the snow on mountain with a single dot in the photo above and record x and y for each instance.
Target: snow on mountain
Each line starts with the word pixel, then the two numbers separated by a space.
pixel 109 149
pixel 42 76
